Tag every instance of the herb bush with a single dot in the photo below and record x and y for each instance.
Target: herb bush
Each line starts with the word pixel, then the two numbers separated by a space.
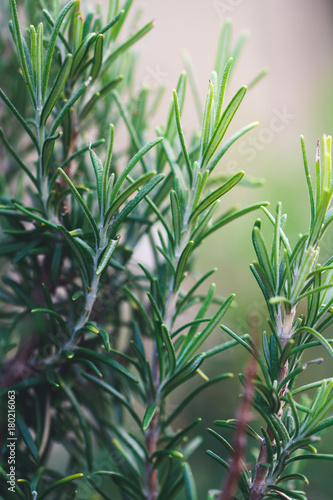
pixel 93 343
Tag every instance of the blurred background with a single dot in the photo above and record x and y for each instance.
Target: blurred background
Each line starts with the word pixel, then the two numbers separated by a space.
pixel 295 40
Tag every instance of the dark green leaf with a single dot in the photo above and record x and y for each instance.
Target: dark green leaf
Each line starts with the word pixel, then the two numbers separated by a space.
pixel 58 484
pixel 97 96
pixel 52 43
pixel 125 45
pixel 27 438
pixel 56 89
pixel 201 337
pixel 68 105
pixel 182 138
pixel 18 158
pixel 215 195
pixel 108 361
pixel 78 252
pixel 169 347
pixel 20 118
pixel 108 252
pixel 82 203
pixel 133 203
pixel 149 415
pixel 26 488
pixel 222 126
pixel 121 480
pixel 48 148
pixel 19 42
pixel 98 56
pixel 184 373
pixel 116 394
pixel 182 264
pixel 190 487
pixel 79 56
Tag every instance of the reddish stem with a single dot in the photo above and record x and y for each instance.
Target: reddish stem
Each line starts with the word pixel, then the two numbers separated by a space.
pixel 239 441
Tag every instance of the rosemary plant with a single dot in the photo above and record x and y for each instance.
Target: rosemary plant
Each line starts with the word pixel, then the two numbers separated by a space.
pixel 298 294
pixel 94 342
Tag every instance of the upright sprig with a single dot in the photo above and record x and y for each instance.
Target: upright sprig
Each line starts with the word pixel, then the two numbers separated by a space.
pixel 63 51
pixel 291 278
pixel 80 53
pixel 71 228
pixel 183 206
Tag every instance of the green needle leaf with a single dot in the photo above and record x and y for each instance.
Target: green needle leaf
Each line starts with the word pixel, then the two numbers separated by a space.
pixel 182 138
pixel 78 252
pixel 20 118
pixel 98 169
pixel 107 360
pixel 206 122
pixel 262 254
pixel 176 217
pixel 116 394
pixel 215 195
pixel 25 486
pixel 97 96
pixel 48 148
pixel 184 373
pixel 26 435
pixel 170 348
pixel 182 263
pixel 67 106
pixel 189 398
pixel 18 158
pixel 50 21
pixel 60 319
pixel 20 51
pixel 122 481
pixel 149 415
pixel 81 151
pixel 224 81
pixel 131 41
pixel 59 483
pixel 201 337
pixel 111 23
pixel 82 203
pixel 133 203
pixel 81 52
pixel 56 88
pixel 222 126
pixel 131 164
pixel 125 195
pixel 190 487
pixel 108 252
pixel 52 43
pixel 98 56
pixel 318 336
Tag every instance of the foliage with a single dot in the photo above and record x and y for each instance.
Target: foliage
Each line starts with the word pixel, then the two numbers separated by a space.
pixel 94 342
pixel 298 294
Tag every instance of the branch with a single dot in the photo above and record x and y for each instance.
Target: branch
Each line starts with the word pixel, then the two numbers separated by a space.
pixel 239 441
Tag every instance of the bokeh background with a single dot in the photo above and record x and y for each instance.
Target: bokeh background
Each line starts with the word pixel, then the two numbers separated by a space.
pixel 295 40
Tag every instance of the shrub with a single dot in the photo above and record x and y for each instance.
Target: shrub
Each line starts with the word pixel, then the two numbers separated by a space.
pixel 93 341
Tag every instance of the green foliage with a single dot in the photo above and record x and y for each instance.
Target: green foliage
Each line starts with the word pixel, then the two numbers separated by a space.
pixel 297 290
pixel 82 316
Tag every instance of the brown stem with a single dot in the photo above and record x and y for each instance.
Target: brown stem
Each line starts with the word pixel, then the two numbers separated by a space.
pixel 258 488
pixel 239 441
pixel 151 491
pixel 22 365
pixel 19 368
pixel 152 434
pixel 258 485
